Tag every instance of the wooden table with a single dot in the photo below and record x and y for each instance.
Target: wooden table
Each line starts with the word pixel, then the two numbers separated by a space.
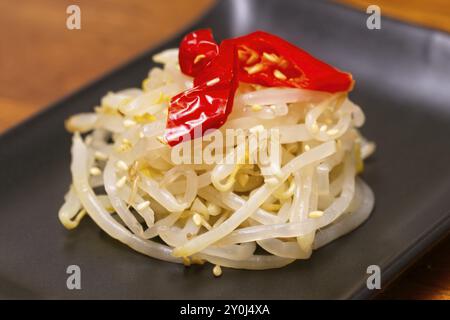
pixel 41 61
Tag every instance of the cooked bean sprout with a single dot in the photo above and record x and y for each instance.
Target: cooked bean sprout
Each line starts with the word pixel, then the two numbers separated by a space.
pixel 220 212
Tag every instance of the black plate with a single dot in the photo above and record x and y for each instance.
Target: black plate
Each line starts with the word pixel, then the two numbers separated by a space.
pixel 402 81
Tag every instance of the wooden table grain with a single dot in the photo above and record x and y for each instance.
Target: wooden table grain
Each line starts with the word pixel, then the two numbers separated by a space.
pixel 41 61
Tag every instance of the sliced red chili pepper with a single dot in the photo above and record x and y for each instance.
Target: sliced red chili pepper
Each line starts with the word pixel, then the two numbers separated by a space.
pixel 208 104
pixel 257 58
pixel 270 61
pixel 196 51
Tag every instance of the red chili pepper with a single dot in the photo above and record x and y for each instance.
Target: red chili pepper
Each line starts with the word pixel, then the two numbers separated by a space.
pixel 208 104
pixel 258 58
pixel 197 49
pixel 270 61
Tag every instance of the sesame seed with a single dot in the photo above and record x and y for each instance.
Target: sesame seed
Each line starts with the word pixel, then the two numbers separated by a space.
pixel 315 214
pixel 254 69
pixel 95 171
pixel 272 57
pixel 127 123
pixel 213 209
pixel 197 219
pixel 256 107
pixel 100 155
pixel 241 54
pixel 121 182
pixel 307 147
pixel 212 82
pixel 253 57
pixel 125 146
pixel 217 271
pixel 323 128
pixel 279 75
pixel 199 57
pixel 121 165
pixel 332 132
pixel 141 135
pixel 143 205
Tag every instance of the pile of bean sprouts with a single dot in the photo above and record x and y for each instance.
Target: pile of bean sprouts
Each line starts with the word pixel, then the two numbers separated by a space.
pixel 245 216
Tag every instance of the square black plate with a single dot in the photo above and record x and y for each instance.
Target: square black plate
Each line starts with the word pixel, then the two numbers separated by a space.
pixel 402 82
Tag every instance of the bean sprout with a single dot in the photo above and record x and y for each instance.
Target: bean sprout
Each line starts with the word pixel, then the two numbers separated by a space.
pixel 123 176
